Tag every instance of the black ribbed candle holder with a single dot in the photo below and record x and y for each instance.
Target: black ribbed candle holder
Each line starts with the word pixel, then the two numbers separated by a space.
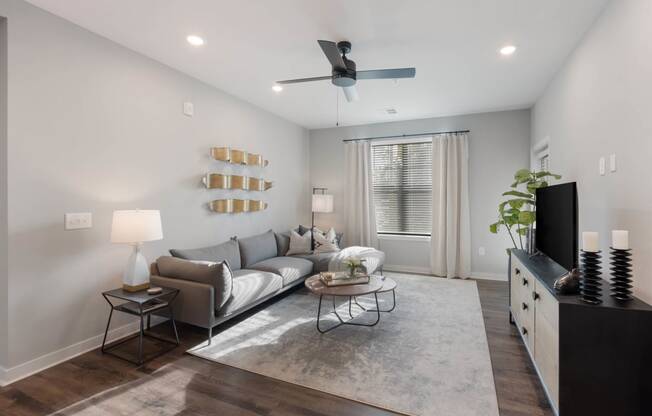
pixel 590 285
pixel 621 274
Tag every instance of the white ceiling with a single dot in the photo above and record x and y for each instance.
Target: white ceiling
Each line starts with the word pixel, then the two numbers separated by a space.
pixel 252 43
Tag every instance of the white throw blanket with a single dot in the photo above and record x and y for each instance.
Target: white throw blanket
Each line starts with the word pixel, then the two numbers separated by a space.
pixel 373 259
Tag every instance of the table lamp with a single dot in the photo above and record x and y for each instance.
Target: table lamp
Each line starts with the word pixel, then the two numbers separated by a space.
pixel 321 203
pixel 136 227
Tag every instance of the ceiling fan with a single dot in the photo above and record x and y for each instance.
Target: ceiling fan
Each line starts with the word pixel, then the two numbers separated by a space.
pixel 344 72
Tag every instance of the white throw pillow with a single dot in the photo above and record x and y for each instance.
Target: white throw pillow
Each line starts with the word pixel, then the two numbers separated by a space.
pixel 326 243
pixel 299 244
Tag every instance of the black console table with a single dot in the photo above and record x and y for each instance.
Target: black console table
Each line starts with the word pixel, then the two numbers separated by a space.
pixel 591 359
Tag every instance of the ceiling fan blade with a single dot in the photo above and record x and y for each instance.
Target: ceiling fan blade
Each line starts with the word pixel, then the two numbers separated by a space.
pixel 351 93
pixel 296 81
pixel 387 73
pixel 333 54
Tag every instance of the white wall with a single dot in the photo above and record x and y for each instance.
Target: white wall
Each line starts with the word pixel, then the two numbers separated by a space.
pixel 96 127
pixel 600 103
pixel 3 194
pixel 499 145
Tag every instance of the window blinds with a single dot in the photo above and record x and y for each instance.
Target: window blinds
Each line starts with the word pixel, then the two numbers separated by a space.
pixel 402 183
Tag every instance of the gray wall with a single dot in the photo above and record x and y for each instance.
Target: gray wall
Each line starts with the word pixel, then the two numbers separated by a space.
pixel 96 127
pixel 499 145
pixel 3 193
pixel 599 104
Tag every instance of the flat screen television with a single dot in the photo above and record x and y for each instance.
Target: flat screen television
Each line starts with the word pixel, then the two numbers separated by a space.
pixel 556 227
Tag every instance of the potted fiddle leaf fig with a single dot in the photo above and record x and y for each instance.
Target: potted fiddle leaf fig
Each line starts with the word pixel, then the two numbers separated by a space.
pixel 518 213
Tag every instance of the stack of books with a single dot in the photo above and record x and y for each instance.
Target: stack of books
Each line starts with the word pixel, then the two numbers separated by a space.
pixel 331 279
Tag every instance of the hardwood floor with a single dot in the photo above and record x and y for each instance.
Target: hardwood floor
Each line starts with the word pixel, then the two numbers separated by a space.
pixel 180 384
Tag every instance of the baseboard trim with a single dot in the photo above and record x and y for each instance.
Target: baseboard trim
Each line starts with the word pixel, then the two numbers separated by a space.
pixel 489 276
pixel 406 269
pixel 26 369
pixel 424 270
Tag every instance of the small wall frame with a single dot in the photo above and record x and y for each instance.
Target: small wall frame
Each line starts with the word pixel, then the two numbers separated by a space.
pixel 237 206
pixel 238 157
pixel 245 183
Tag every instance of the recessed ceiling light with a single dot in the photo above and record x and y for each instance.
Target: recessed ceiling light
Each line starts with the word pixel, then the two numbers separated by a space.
pixel 277 88
pixel 507 50
pixel 195 40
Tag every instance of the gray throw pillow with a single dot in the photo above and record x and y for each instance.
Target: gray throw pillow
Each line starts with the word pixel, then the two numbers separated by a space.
pixel 282 243
pixel 257 248
pixel 218 275
pixel 229 251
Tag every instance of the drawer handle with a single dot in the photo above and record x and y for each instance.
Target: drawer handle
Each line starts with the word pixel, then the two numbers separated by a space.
pixel 517 271
pixel 524 331
pixel 535 295
pixel 525 282
pixel 524 306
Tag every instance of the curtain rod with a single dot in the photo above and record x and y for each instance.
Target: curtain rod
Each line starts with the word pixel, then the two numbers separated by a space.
pixel 406 135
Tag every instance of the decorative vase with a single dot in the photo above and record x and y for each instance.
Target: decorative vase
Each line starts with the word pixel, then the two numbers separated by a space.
pixel 530 245
pixel 352 271
pixel 590 284
pixel 621 274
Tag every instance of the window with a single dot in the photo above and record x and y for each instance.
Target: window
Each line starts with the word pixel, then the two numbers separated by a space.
pixel 541 155
pixel 402 183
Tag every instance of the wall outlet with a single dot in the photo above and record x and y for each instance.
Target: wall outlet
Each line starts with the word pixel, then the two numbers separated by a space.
pixel 188 109
pixel 602 166
pixel 482 251
pixel 612 162
pixel 78 220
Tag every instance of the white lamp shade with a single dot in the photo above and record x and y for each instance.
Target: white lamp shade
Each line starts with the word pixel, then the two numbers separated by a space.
pixel 322 203
pixel 136 226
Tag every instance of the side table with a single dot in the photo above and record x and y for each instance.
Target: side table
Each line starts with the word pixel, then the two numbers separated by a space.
pixel 140 304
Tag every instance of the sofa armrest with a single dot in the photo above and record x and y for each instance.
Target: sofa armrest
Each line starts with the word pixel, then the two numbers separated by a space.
pixel 195 303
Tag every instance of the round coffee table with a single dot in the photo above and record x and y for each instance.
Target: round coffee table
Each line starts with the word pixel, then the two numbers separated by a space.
pixel 315 285
pixel 389 285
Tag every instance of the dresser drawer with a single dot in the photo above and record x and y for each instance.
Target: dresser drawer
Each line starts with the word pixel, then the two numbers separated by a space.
pixel 521 302
pixel 546 347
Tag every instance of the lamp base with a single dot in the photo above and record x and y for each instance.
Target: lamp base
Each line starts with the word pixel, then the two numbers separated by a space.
pixel 138 288
pixel 136 275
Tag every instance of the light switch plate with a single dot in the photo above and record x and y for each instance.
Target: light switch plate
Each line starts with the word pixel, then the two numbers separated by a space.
pixel 78 220
pixel 603 166
pixel 482 251
pixel 188 109
pixel 612 162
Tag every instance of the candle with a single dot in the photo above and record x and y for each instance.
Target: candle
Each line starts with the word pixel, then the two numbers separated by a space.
pixel 620 239
pixel 590 241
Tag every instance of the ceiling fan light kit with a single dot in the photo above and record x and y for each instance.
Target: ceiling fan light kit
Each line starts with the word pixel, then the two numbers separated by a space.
pixel 344 72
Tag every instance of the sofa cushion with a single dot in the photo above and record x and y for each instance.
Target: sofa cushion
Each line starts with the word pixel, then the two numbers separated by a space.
pixel 250 286
pixel 218 275
pixel 229 251
pixel 320 261
pixel 257 248
pixel 326 243
pixel 299 244
pixel 290 268
pixel 282 243
pixel 302 229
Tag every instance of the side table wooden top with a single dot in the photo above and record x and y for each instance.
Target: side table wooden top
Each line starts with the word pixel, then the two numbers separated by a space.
pixel 315 285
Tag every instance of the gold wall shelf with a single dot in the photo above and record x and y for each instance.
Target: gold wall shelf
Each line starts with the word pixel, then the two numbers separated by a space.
pixel 236 206
pixel 221 181
pixel 238 157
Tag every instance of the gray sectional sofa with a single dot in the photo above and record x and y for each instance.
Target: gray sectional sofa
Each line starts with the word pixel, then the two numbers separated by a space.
pixel 259 270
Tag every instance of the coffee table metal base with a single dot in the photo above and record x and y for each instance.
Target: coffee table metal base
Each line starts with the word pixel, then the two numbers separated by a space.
pixel 355 299
pixel 342 321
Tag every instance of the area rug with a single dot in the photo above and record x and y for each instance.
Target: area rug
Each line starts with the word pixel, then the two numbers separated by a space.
pixel 427 357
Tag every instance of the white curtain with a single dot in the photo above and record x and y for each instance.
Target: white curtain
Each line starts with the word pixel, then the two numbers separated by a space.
pixel 451 230
pixel 359 199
